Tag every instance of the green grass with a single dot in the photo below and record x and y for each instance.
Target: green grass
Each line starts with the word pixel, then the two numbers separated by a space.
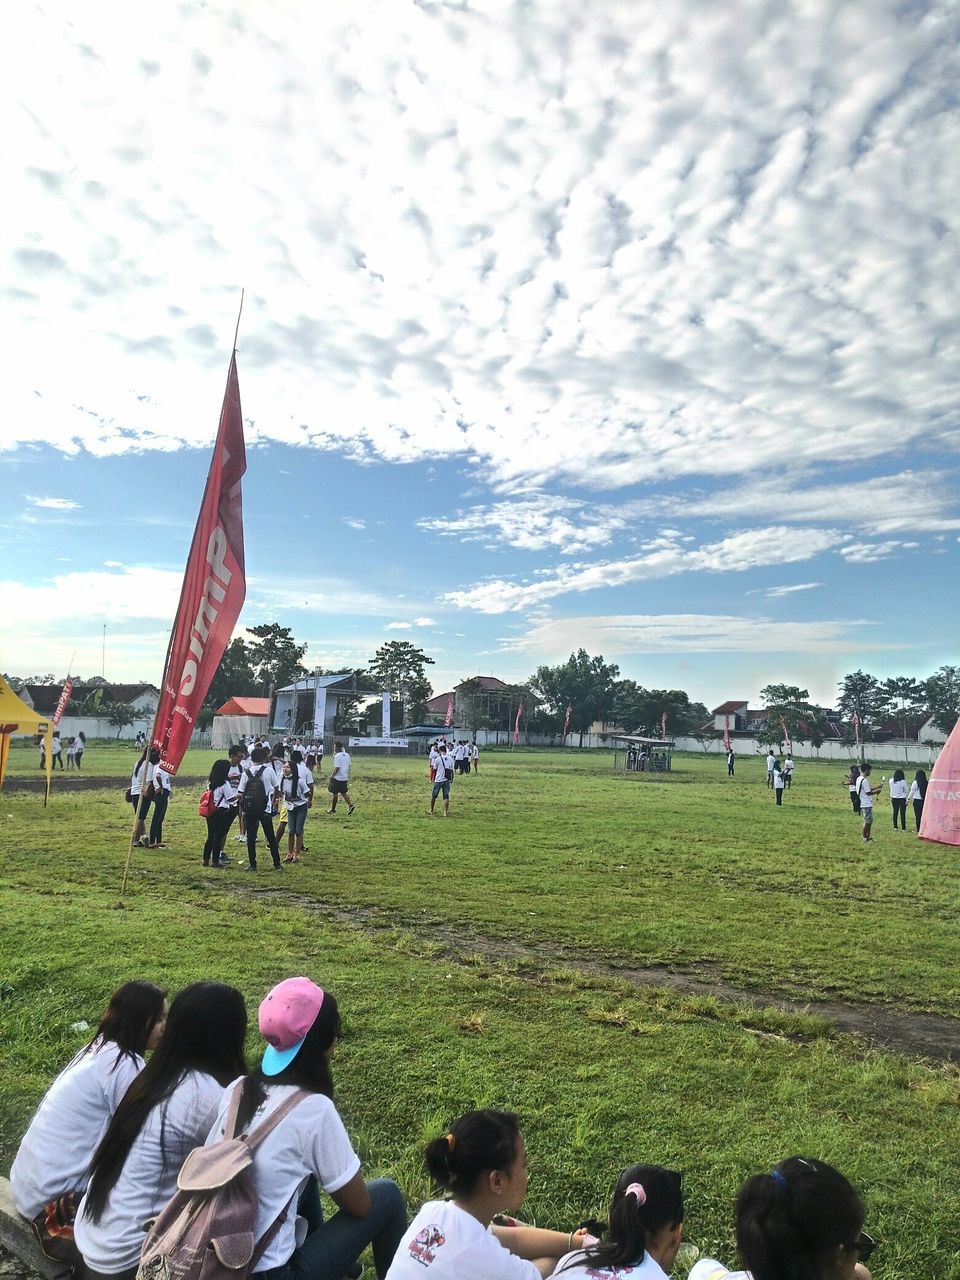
pixel 692 872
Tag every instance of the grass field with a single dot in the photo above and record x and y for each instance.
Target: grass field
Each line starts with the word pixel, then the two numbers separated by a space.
pixel 489 958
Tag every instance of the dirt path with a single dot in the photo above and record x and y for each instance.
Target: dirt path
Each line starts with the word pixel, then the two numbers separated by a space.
pixel 927 1035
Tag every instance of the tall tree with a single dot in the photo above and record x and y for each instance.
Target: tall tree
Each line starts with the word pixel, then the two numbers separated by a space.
pixel 400 666
pixel 942 696
pixel 473 706
pixel 585 684
pixel 860 696
pixel 275 656
pixel 235 676
pixel 789 703
pixel 903 697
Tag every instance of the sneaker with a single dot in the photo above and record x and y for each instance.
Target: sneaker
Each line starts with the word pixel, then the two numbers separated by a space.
pixel 241 839
pixel 278 866
pixel 349 810
pixel 249 868
pixel 143 842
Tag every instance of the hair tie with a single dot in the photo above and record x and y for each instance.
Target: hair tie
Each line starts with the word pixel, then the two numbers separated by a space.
pixel 778 1178
pixel 636 1190
pixel 451 1142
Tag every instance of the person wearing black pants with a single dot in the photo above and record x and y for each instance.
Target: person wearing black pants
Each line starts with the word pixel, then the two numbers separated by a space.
pixel 918 789
pixel 898 798
pixel 262 771
pixel 219 822
pixel 162 791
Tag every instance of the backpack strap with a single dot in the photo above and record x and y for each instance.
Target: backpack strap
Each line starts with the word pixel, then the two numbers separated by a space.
pixel 267 1126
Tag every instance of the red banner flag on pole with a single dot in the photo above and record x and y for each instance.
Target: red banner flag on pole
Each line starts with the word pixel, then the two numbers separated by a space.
pixel 726 733
pixel 449 717
pixel 64 699
pixel 566 722
pixel 516 724
pixel 786 736
pixel 663 725
pixel 940 820
pixel 214 587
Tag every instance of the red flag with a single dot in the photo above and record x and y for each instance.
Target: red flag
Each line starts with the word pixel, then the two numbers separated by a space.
pixel 663 725
pixel 786 735
pixel 516 723
pixel 64 699
pixel 940 820
pixel 857 729
pixel 726 734
pixel 214 587
pixel 566 720
pixel 449 720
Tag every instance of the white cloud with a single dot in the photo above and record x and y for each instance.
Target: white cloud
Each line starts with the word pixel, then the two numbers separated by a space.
pixel 740 551
pixel 354 522
pixel 596 245
pixel 616 636
pixel 777 593
pixel 866 552
pixel 54 504
pixel 424 622
pixel 399 626
pixel 532 523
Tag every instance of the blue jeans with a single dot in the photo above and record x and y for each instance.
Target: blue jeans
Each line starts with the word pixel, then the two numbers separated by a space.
pixel 331 1248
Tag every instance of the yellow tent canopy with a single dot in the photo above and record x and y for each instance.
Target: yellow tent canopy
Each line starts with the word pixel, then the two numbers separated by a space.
pixel 17 717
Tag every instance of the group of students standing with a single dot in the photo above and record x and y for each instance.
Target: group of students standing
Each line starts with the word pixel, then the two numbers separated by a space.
pixel 861 796
pixel 102 1155
pixel 779 775
pixel 76 746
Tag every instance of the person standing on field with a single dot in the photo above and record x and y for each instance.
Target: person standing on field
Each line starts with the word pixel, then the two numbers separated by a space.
pixel 162 791
pixel 898 798
pixel 730 761
pixel 866 793
pixel 339 784
pixel 779 781
pixel 918 789
pixel 788 768
pixel 258 790
pixel 444 776
pixel 476 758
pixel 771 765
pixel 851 784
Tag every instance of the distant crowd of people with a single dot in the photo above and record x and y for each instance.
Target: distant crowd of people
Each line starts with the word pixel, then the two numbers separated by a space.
pixel 76 746
pixel 862 793
pixel 447 759
pixel 129 1162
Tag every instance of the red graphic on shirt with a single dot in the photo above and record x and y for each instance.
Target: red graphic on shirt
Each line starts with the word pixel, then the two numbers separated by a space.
pixel 605 1273
pixel 424 1245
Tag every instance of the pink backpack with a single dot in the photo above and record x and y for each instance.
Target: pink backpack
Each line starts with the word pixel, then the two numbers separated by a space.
pixel 206 1232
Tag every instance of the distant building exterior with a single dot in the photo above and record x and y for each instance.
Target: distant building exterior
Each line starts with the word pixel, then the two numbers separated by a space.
pixel 490 696
pixel 238 718
pixel 43 698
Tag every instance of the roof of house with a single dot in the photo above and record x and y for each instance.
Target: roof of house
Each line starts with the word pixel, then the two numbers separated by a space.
pixel 437 705
pixel 729 708
pixel 245 707
pixel 487 684
pixel 44 697
pixel 320 682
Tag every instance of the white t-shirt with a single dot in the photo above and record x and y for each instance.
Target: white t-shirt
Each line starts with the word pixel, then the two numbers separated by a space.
pixel 788 765
pixel 341 767
pixel 149 1175
pixel 57 745
pixel 143 773
pixel 476 752
pixel 161 780
pixel 914 792
pixel 445 1242
pixel 778 779
pixel 771 761
pixel 863 791
pixel 572 1264
pixel 271 779
pixel 55 1152
pixel 304 782
pixel 223 797
pixel 309 1142
pixel 898 790
pixel 444 766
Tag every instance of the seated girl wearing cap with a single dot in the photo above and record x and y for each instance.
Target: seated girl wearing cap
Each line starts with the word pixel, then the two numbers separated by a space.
pixel 49 1174
pixel 482 1162
pixel 644 1231
pixel 165 1113
pixel 309 1146
pixel 801 1221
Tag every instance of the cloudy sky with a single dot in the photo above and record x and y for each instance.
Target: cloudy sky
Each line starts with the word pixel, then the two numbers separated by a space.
pixel 624 325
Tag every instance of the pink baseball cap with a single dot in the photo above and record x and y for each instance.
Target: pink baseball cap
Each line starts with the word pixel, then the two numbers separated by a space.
pixel 286 1015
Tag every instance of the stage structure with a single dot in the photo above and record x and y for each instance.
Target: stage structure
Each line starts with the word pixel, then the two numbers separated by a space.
pixel 308 707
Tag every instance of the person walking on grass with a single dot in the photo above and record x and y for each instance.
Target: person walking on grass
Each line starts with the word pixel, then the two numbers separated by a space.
pixel 898 798
pixel 79 746
pixel 779 781
pixel 141 781
pixel 258 789
pixel 788 768
pixel 297 792
pixel 57 749
pixel 918 789
pixel 339 784
pixel 851 784
pixel 771 765
pixel 445 766
pixel 866 793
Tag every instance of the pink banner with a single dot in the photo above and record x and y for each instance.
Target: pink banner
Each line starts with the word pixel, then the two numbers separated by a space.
pixel 663 725
pixel 726 733
pixel 516 724
pixel 214 587
pixel 941 806
pixel 857 729
pixel 449 718
pixel 566 720
pixel 786 736
pixel 64 699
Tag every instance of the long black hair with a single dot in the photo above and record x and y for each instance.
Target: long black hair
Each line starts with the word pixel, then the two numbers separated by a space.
pixel 219 772
pixel 205 1031
pixel 309 1070
pixel 477 1143
pixel 921 781
pixel 789 1219
pixel 294 762
pixel 128 1019
pixel 646 1199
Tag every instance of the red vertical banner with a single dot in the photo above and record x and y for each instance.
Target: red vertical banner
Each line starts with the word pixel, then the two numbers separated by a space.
pixel 857 730
pixel 516 724
pixel 663 725
pixel 726 733
pixel 214 587
pixel 449 717
pixel 64 699
pixel 786 736
pixel 566 723
pixel 940 821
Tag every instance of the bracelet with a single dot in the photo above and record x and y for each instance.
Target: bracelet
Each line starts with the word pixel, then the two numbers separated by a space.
pixel 569 1242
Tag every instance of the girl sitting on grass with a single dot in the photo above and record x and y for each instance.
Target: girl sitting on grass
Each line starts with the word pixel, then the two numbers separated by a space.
pixel 482 1162
pixel 49 1174
pixel 801 1221
pixel 643 1237
pixel 166 1112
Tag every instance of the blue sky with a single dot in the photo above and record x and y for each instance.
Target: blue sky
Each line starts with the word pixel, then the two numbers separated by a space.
pixel 623 326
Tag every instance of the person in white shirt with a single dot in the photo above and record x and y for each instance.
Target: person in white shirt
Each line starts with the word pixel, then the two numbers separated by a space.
pixel 224 795
pixel 308 1149
pixel 166 1112
pixel 779 780
pixel 257 802
pixel 917 793
pixel 339 784
pixel 898 798
pixel 771 762
pixel 482 1162
pixel 644 1231
pixel 162 791
pixel 50 1171
pixel 443 776
pixel 476 758
pixel 57 750
pixel 71 753
pixel 141 784
pixel 788 768
pixel 296 790
pixel 865 795
pixel 803 1218
pixel 79 746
